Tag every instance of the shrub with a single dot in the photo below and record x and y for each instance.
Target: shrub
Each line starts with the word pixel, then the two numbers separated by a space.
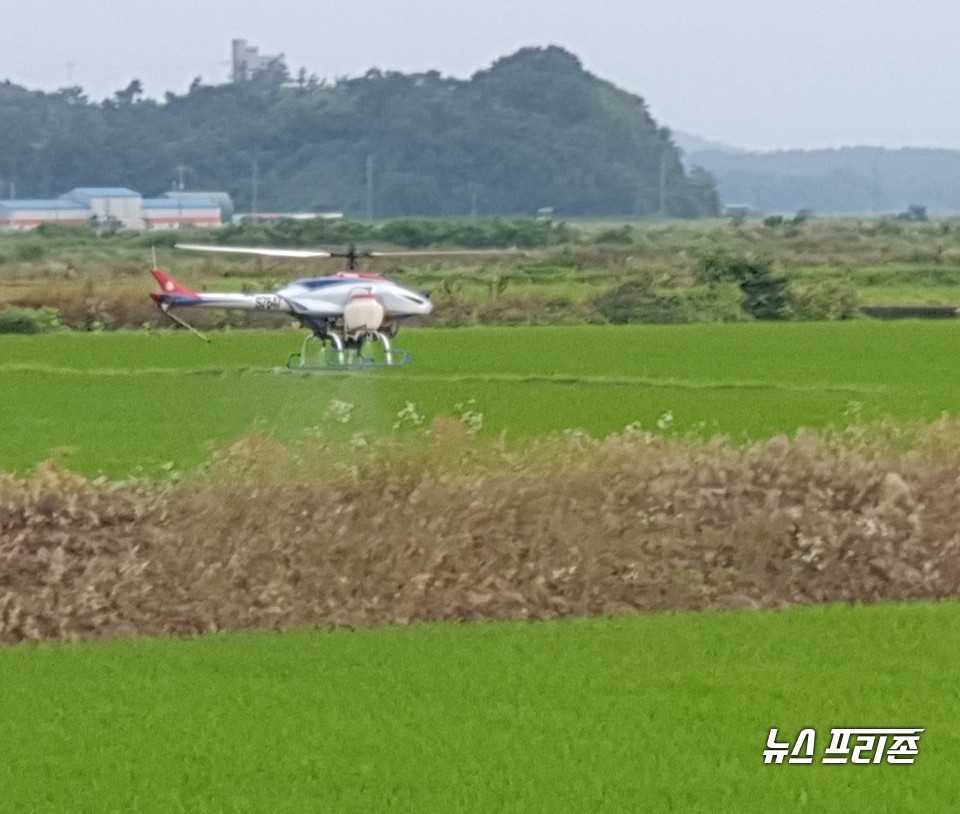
pixel 636 302
pixel 722 266
pixel 621 236
pixel 823 299
pixel 720 302
pixel 625 303
pixel 764 296
pixel 27 320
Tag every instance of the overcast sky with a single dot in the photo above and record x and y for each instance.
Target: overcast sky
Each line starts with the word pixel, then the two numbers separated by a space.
pixel 752 73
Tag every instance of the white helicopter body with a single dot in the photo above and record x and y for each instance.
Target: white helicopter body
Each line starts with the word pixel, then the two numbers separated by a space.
pixel 346 312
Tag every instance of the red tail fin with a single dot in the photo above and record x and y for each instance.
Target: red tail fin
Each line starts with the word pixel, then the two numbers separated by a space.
pixel 170 286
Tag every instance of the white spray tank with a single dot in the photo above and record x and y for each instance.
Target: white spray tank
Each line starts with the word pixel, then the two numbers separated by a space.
pixel 363 312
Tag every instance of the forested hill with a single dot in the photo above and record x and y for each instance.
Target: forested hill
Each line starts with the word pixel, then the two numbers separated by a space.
pixel 534 130
pixel 852 180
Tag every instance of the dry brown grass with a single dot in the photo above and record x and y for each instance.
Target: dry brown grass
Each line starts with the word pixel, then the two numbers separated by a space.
pixel 395 533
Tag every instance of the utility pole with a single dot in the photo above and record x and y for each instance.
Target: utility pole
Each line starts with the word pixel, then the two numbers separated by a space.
pixel 662 207
pixel 180 171
pixel 255 180
pixel 474 194
pixel 371 165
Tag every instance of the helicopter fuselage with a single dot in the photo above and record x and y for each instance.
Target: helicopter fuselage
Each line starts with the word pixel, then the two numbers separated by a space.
pixel 316 297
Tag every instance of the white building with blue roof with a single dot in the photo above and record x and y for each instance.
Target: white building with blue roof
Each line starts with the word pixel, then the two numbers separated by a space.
pixel 28 214
pixel 175 211
pixel 114 205
pixel 111 204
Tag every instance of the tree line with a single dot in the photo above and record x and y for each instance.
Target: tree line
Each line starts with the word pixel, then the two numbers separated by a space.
pixel 533 131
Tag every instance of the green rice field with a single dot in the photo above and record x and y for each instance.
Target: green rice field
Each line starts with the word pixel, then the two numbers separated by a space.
pixel 663 713
pixel 666 712
pixel 117 403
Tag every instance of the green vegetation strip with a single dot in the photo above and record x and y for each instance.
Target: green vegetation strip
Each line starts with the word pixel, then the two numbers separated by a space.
pixel 116 403
pixel 667 713
pixel 479 378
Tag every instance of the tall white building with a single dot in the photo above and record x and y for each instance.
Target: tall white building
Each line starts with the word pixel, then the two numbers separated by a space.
pixel 246 60
pixel 111 204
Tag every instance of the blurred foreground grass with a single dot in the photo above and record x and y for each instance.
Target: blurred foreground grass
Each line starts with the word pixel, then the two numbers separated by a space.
pixel 665 712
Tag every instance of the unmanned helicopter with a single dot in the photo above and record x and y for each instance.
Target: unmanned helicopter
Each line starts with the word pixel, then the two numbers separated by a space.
pixel 352 316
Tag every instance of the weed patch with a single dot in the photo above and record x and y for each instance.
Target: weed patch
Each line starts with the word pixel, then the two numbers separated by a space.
pixel 439 527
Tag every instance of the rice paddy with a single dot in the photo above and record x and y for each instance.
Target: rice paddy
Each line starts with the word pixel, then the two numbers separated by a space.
pixel 148 402
pixel 669 713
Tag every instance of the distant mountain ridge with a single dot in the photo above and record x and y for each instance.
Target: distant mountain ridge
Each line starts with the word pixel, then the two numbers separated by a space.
pixel 689 144
pixel 847 180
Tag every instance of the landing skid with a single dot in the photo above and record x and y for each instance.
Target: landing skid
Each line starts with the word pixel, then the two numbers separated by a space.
pixel 330 352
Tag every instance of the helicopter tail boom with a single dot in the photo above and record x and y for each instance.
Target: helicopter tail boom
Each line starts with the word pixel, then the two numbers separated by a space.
pixel 175 294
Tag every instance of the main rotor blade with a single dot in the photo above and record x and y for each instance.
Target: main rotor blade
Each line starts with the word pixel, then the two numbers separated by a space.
pixel 440 252
pixel 264 252
pixel 308 253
